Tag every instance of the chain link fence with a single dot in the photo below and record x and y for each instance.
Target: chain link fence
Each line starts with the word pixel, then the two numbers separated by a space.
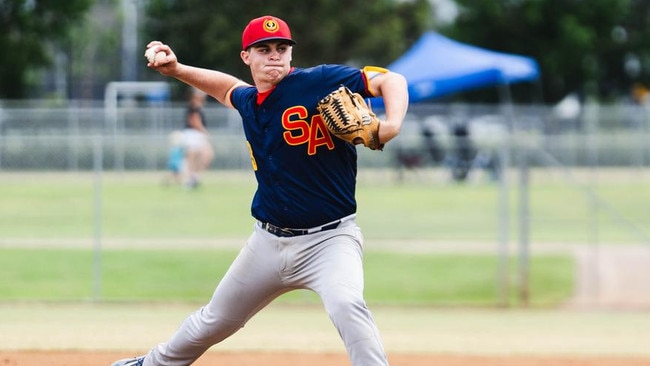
pixel 36 136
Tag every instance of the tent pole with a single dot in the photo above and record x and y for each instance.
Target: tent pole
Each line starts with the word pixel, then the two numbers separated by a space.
pixel 524 206
pixel 503 280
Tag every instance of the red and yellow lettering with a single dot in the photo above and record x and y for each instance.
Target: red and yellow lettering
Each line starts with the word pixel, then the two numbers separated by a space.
pixel 320 135
pixel 299 131
pixel 293 120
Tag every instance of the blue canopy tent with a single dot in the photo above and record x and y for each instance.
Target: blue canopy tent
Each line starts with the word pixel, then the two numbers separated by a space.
pixel 437 66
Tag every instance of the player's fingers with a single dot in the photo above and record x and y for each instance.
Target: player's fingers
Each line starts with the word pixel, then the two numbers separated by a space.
pixel 155 47
pixel 153 43
pixel 166 65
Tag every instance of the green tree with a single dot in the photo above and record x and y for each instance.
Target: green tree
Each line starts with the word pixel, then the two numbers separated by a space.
pixel 572 40
pixel 28 28
pixel 93 50
pixel 207 33
pixel 633 39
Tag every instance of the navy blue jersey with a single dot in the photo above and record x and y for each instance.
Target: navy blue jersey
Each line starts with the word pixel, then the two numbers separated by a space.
pixel 306 177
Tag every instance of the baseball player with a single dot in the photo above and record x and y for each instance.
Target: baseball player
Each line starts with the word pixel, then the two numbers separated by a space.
pixel 305 235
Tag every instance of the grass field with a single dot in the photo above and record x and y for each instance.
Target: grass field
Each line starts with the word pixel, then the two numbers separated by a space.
pixel 191 275
pixel 137 205
pixel 56 209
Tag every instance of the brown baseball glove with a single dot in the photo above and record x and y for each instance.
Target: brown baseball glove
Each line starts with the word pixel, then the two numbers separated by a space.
pixel 348 117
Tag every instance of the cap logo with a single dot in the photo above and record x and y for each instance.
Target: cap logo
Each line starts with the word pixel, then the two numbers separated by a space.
pixel 271 26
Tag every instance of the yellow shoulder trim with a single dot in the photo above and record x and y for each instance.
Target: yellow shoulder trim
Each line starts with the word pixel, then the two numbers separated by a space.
pixel 371 72
pixel 227 102
pixel 374 70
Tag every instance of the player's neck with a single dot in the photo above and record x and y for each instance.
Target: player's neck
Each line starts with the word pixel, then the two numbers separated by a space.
pixel 264 87
pixel 261 96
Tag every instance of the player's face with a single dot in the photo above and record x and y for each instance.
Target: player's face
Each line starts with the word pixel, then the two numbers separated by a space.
pixel 269 61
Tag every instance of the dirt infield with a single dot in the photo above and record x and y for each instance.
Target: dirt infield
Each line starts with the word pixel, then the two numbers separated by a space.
pixel 86 358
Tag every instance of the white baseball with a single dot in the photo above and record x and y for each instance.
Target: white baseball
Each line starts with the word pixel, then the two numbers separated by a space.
pixel 151 55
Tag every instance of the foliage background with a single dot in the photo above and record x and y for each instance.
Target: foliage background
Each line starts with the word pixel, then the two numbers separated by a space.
pixel 596 48
pixel 70 49
pixel 356 33
pixel 26 29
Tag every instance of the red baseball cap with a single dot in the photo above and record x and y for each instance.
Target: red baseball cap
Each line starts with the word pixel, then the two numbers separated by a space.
pixel 265 28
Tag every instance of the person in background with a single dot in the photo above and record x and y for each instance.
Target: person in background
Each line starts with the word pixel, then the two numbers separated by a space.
pixel 198 149
pixel 176 165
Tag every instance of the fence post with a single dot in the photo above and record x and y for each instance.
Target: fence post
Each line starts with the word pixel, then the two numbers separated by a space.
pixel 98 167
pixel 524 215
pixel 504 225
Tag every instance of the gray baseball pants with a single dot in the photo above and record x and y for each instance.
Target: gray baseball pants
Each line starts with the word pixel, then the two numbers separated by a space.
pixel 327 262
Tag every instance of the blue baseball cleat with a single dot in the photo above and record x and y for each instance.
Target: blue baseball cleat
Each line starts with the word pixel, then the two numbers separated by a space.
pixel 133 361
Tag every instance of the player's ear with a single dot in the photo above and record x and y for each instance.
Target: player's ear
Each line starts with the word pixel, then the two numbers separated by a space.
pixel 245 56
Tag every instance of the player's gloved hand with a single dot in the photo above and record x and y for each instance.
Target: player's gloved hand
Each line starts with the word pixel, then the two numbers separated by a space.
pixel 348 117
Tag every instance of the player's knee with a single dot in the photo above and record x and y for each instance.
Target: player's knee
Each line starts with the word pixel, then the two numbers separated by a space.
pixel 207 326
pixel 345 308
